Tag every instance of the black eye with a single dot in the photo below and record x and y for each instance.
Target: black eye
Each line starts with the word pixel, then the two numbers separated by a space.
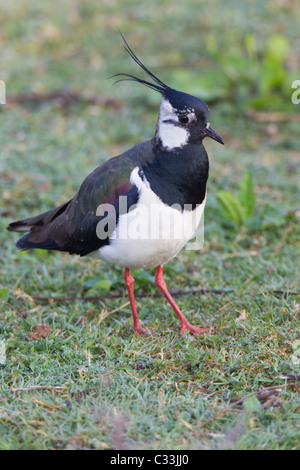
pixel 183 119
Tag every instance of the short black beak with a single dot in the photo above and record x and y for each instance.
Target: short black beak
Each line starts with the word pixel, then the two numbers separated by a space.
pixel 209 132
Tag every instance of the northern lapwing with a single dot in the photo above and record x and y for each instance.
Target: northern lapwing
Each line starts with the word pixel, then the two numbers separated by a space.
pixel 138 209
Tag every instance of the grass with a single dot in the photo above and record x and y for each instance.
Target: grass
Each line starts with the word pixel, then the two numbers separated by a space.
pixel 90 383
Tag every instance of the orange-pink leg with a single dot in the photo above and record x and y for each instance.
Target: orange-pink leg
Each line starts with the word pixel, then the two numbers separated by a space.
pixel 183 322
pixel 129 281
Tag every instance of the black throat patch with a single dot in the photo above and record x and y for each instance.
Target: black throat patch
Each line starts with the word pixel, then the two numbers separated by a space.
pixel 179 178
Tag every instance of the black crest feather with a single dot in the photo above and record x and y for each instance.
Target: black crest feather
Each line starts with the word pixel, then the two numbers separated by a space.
pixel 159 86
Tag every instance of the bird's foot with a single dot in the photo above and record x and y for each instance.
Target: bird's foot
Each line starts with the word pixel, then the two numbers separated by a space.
pixel 140 331
pixel 186 326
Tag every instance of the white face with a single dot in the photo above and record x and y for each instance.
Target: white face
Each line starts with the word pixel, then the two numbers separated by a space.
pixel 170 131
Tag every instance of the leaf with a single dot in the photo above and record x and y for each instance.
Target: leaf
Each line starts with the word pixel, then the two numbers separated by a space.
pixel 246 195
pixel 271 217
pixel 39 331
pixel 252 403
pixel 250 45
pixel 277 47
pixel 231 207
pixel 19 294
pixel 4 294
pixel 101 287
pixel 243 315
pixel 274 72
pixel 143 276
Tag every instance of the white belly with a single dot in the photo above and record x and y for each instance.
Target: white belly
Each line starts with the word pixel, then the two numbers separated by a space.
pixel 152 233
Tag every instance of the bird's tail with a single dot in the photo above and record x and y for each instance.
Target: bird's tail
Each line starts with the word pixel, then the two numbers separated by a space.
pixel 38 236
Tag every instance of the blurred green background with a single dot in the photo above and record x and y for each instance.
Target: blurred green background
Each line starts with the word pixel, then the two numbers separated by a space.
pixel 244 53
pixel 62 118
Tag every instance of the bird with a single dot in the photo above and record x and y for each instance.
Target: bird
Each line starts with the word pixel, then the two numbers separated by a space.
pixel 140 208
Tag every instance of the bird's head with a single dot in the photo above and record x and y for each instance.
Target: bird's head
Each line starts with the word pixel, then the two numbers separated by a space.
pixel 183 118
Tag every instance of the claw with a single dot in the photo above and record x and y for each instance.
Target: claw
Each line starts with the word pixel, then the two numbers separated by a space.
pixel 140 331
pixel 184 324
pixel 194 329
